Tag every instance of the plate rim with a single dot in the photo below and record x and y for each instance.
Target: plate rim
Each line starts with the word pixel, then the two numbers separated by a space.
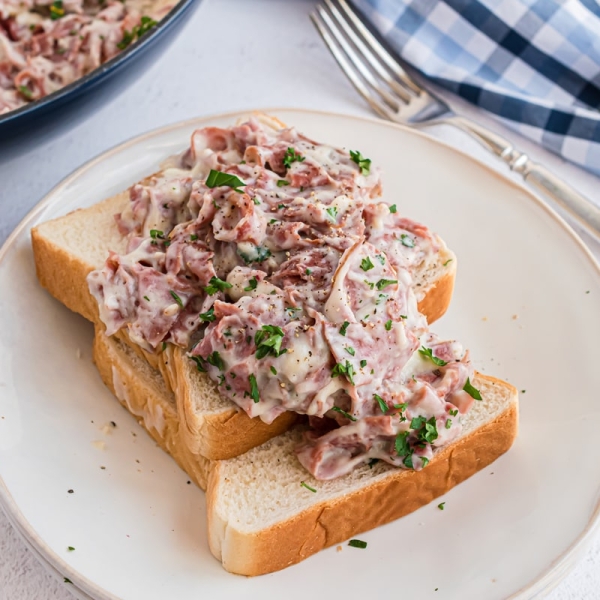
pixel 544 582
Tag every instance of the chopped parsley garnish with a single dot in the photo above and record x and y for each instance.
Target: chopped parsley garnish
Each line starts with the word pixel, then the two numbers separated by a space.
pixel 146 298
pixel 25 91
pixel 401 444
pixel 350 350
pixel 381 298
pixel 208 316
pixel 370 284
pixel 344 328
pixel 363 363
pixel 428 353
pixel 388 324
pixel 163 346
pixel 251 285
pixel 282 182
pixel 261 254
pixel 427 429
pixel 56 10
pixel 146 23
pixel 454 412
pixel 363 163
pixel 308 272
pixel 424 461
pixel 344 369
pixel 382 405
pixel 383 283
pixel 253 388
pixel 380 258
pixel 393 209
pixel 216 285
pixel 157 234
pixel 176 298
pixel 401 407
pixel 472 391
pixel 268 341
pixel 447 262
pixel 332 212
pixel 215 360
pixel 417 422
pixel 357 544
pixel 291 156
pixel 448 424
pixel 256 201
pixel 273 370
pixel 343 412
pixel 67 580
pixel 193 237
pixel 70 548
pixel 441 505
pixel 407 240
pixel 304 484
pixel 280 206
pixel 198 360
pixel 366 264
pixel 218 178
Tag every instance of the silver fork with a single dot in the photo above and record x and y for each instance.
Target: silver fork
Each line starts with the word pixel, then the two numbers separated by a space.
pixel 385 84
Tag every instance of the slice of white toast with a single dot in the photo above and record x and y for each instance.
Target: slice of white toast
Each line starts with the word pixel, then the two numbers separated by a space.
pixel 261 519
pixel 66 249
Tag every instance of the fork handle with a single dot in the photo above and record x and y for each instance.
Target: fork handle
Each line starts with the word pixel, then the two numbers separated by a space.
pixel 579 208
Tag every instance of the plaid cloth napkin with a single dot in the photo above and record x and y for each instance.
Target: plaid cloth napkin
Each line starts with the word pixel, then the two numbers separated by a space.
pixel 534 64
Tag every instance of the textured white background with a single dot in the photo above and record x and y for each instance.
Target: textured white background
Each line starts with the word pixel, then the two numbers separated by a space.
pixel 231 54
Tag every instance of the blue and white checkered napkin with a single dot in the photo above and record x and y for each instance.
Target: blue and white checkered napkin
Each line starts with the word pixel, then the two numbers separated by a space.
pixel 534 64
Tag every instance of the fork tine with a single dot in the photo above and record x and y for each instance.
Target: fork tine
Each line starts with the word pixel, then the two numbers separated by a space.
pixel 349 71
pixel 352 56
pixel 365 51
pixel 374 44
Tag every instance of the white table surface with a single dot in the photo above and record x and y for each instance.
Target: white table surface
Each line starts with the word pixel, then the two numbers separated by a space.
pixel 230 55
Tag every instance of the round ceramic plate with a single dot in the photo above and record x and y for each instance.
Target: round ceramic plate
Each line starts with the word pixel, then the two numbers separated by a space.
pixel 526 304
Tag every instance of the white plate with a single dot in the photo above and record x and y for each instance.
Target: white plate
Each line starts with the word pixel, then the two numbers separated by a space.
pixel 526 303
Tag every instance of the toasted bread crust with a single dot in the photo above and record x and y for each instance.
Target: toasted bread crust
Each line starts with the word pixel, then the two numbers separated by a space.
pixel 63 271
pixel 437 299
pixel 333 521
pixel 63 276
pixel 143 398
pixel 225 434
